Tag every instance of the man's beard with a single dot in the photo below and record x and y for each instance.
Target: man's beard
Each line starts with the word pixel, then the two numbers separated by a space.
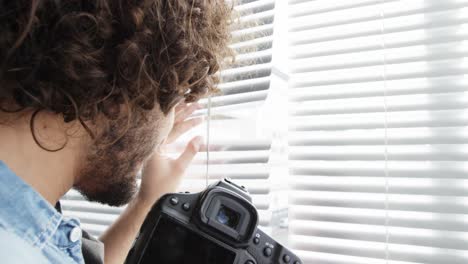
pixel 109 173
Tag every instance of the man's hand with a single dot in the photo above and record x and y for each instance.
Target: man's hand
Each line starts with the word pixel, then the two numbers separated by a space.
pixel 162 174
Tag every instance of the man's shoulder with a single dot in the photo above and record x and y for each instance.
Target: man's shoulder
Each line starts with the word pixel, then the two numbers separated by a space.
pixel 14 249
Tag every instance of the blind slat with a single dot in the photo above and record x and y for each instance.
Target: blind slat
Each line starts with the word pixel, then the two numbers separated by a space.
pixel 314 7
pixel 415 86
pixel 267 4
pixel 410 169
pixel 328 258
pixel 376 233
pixel 436 118
pixel 371 12
pixel 443 51
pixel 374 27
pixel 374 104
pixel 427 220
pixel 371 73
pixel 416 186
pixel 377 250
pixel 396 136
pixel 400 202
pixel 433 152
pixel 430 35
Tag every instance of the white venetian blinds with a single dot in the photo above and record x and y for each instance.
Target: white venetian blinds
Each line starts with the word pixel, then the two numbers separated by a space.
pixel 378 141
pixel 240 147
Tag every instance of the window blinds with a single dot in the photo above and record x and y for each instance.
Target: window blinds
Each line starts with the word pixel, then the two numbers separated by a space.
pixel 379 131
pixel 239 147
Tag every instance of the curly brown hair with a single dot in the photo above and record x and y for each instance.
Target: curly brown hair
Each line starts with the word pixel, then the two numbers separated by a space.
pixel 84 59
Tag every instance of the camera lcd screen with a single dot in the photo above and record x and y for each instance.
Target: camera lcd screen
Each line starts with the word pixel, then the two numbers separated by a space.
pixel 172 243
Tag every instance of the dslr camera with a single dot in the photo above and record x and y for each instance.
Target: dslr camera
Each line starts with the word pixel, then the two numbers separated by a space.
pixel 216 226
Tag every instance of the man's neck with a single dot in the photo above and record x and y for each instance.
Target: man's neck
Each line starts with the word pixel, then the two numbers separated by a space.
pixel 51 174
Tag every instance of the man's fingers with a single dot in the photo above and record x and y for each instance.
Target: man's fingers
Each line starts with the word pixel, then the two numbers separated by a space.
pixel 189 124
pixel 186 112
pixel 183 127
pixel 189 153
pixel 180 106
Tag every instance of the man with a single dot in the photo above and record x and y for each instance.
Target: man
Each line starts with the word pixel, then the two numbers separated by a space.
pixel 90 91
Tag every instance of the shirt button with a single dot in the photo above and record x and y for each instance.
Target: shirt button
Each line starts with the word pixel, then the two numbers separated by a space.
pixel 75 234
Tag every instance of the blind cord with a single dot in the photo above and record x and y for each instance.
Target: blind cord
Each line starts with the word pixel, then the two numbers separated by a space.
pixel 385 108
pixel 208 113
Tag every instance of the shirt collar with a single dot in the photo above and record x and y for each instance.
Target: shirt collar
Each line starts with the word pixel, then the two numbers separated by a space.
pixel 24 211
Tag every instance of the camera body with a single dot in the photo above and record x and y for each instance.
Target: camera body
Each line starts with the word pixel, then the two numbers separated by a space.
pixel 216 226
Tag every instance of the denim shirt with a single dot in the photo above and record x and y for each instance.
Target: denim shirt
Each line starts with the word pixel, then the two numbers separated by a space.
pixel 31 230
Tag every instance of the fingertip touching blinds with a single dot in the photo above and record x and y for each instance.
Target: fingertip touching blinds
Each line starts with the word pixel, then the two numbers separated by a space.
pixel 378 132
pixel 239 146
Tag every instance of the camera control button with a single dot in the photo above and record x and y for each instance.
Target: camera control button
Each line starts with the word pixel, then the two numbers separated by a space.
pixel 286 258
pixel 186 206
pixel 267 252
pixel 174 201
pixel 256 240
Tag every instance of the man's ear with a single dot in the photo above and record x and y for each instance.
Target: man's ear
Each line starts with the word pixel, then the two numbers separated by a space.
pixel 52 133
